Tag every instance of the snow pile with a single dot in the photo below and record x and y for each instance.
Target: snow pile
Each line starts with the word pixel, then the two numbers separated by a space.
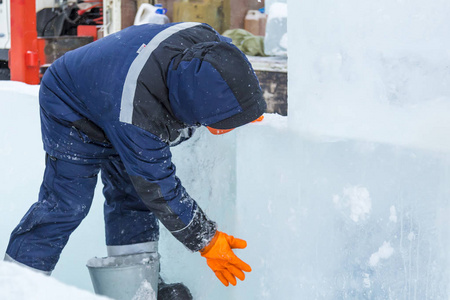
pixel 19 283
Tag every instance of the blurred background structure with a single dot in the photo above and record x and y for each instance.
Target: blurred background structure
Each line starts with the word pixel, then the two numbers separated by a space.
pixel 34 34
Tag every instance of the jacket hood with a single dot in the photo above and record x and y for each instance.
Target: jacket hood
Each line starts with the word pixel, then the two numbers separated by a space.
pixel 213 84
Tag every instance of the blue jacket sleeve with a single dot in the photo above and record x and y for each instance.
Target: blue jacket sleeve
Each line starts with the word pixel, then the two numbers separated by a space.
pixel 148 162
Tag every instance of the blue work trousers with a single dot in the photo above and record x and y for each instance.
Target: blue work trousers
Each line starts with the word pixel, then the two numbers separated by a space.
pixel 66 195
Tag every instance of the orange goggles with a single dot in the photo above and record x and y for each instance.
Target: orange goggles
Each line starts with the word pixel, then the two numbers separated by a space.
pixel 222 131
pixel 259 119
pixel 218 131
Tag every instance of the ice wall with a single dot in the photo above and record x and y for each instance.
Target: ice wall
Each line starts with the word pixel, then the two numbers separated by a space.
pixel 360 193
pixel 372 70
pixel 341 219
pixel 348 198
pixel 206 165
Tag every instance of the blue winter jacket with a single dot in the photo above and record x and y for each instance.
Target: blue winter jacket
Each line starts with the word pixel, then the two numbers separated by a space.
pixel 144 89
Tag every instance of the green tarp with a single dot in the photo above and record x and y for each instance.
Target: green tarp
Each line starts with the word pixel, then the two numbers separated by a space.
pixel 247 42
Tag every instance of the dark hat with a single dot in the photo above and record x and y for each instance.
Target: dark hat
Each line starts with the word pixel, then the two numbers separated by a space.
pixel 219 83
pixel 237 71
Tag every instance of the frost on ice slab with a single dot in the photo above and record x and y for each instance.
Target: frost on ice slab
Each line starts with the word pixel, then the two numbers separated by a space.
pixel 355 201
pixel 393 215
pixel 384 252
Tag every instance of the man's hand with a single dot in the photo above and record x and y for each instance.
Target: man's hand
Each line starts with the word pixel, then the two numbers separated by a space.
pixel 221 259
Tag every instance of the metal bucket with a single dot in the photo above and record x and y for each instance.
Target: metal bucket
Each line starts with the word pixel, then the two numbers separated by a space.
pixel 127 277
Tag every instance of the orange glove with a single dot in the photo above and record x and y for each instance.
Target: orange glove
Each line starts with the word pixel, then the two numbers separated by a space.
pixel 221 259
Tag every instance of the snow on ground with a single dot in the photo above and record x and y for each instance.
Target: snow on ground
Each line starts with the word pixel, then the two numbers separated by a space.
pixel 19 283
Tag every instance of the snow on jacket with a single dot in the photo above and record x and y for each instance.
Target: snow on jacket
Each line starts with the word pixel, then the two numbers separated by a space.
pixel 147 88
